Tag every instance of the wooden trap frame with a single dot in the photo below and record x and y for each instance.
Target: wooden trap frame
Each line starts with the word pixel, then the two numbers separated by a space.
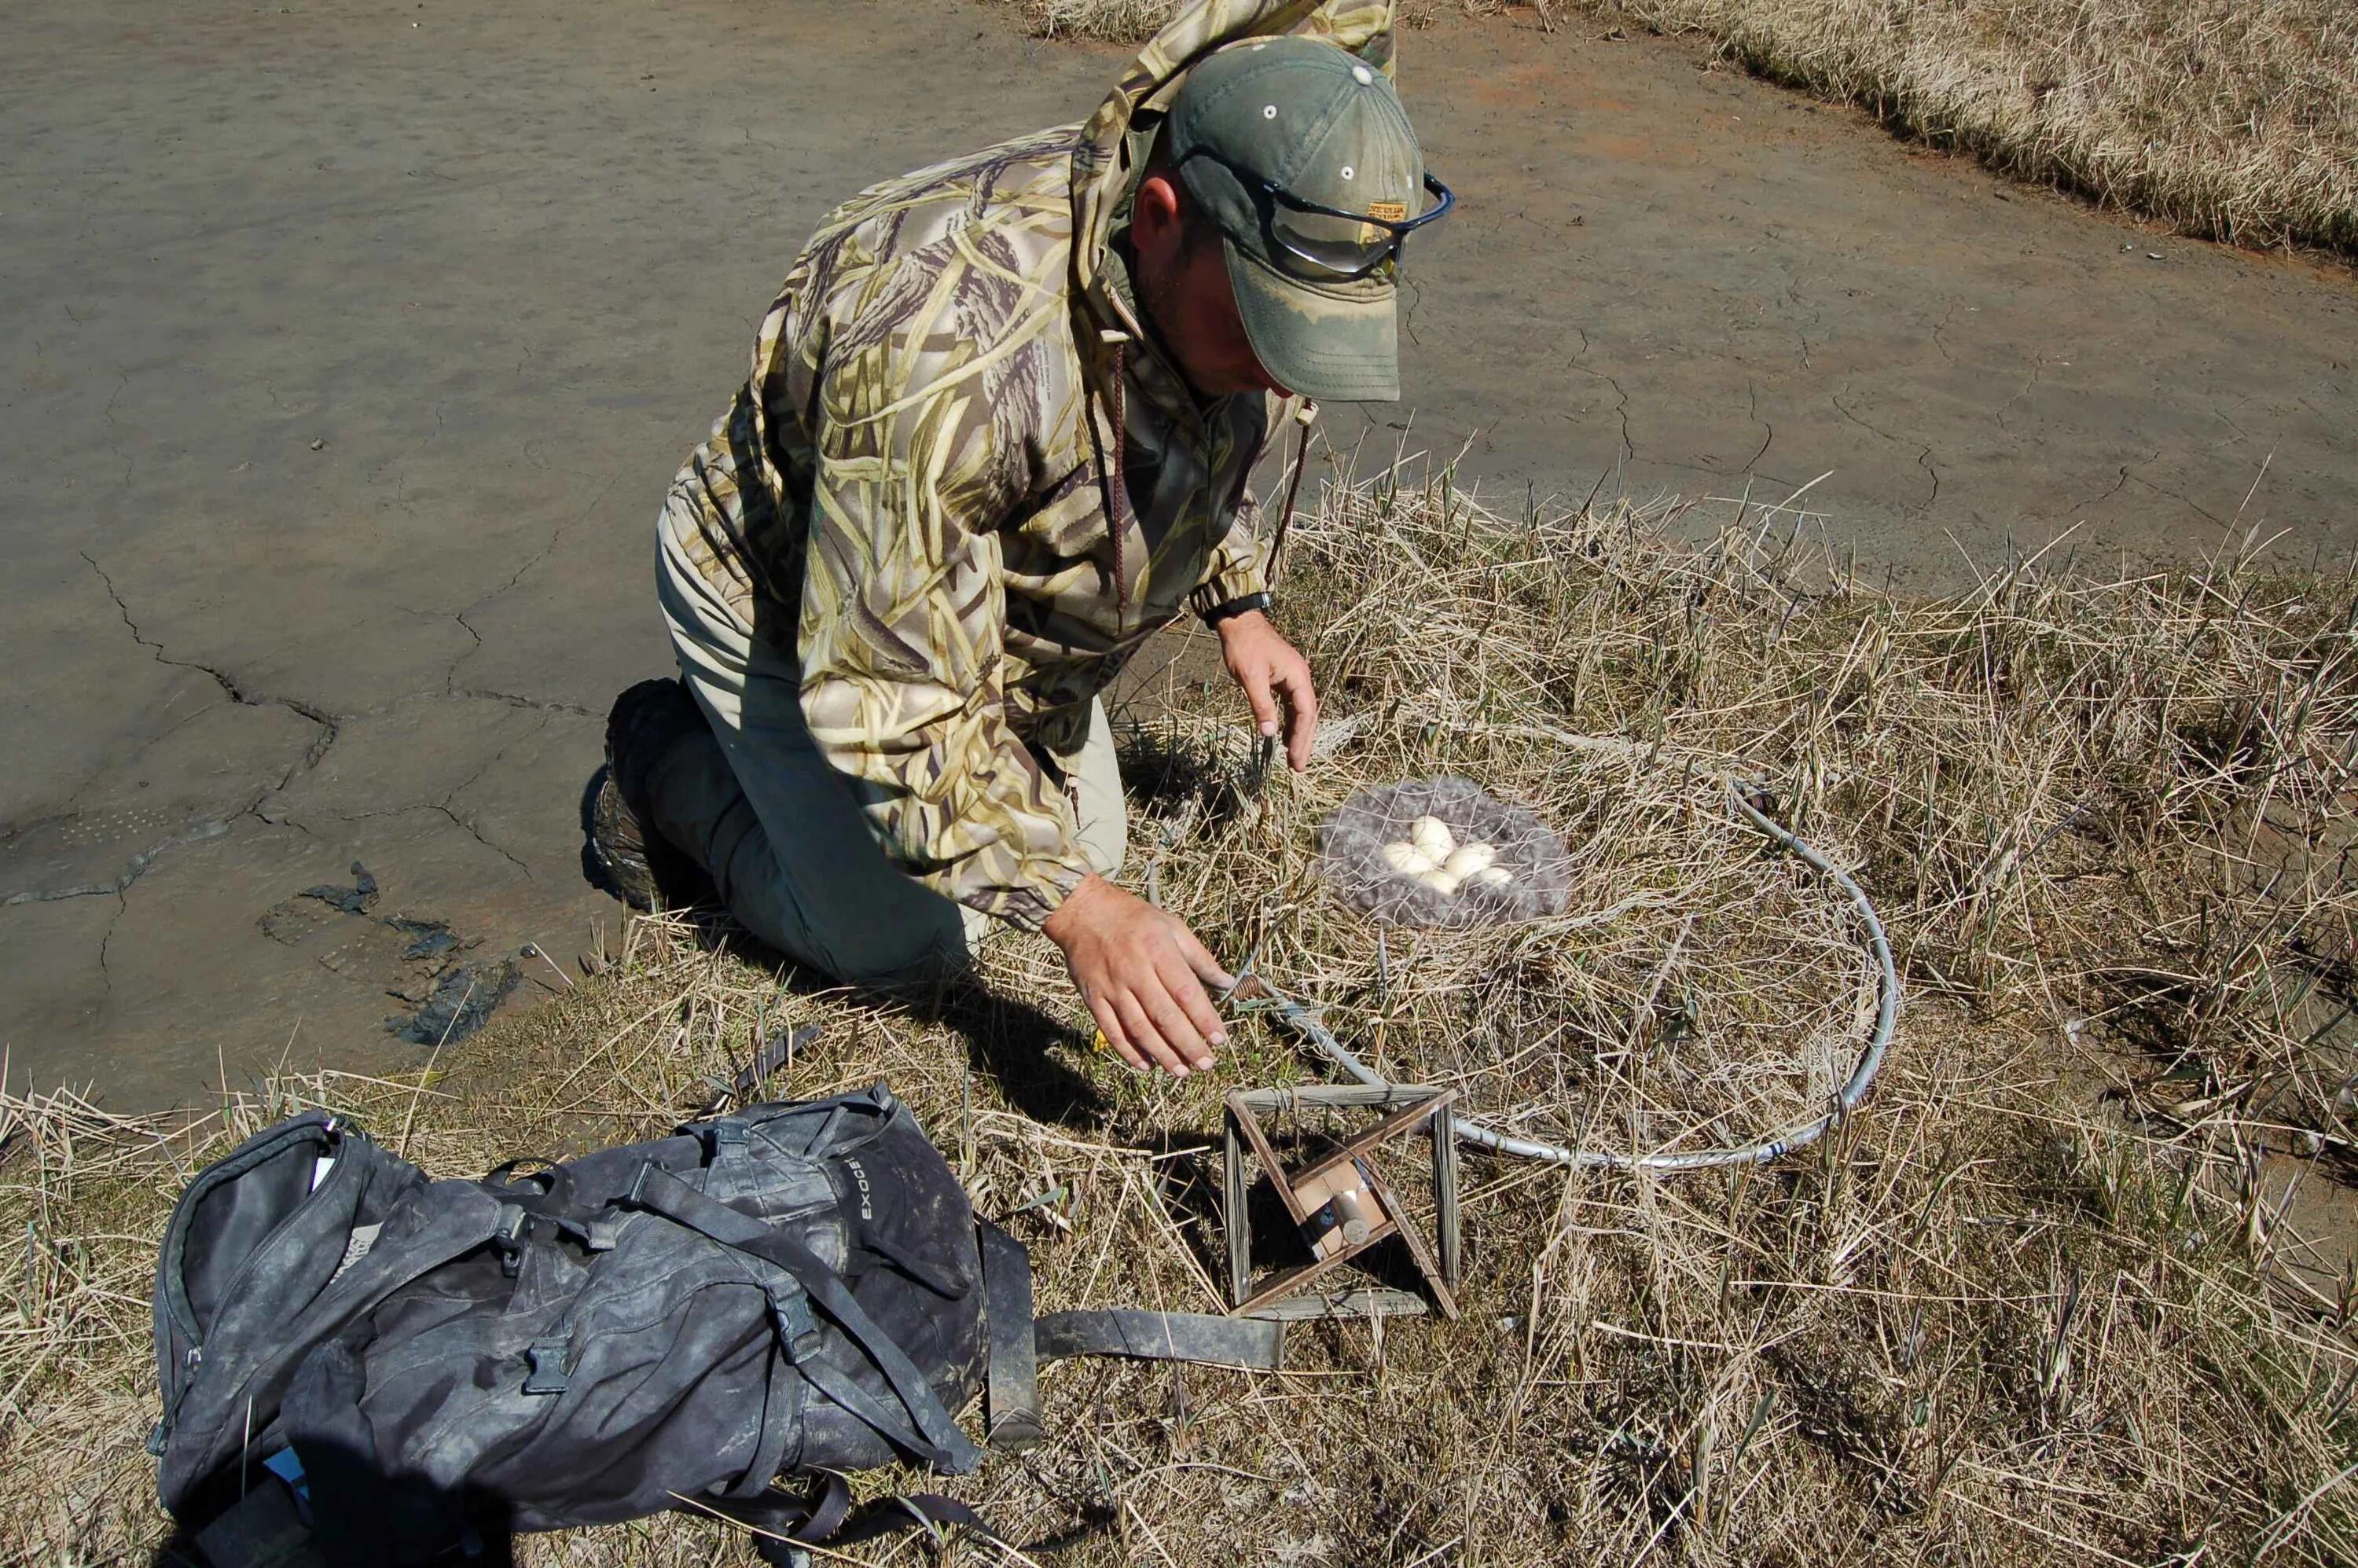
pixel 1341 1206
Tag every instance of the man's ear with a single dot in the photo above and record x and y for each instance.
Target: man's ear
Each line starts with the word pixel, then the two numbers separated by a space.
pixel 1155 215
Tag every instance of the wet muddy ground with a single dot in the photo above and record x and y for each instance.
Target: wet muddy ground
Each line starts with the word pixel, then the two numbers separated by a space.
pixel 348 349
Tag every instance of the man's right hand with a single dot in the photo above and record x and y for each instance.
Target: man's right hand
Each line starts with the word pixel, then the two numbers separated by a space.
pixel 1141 973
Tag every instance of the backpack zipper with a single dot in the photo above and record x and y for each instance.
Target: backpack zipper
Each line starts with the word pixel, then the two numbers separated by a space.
pixel 175 1292
pixel 177 1305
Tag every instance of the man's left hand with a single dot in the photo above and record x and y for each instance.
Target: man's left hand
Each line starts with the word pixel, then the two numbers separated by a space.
pixel 1270 670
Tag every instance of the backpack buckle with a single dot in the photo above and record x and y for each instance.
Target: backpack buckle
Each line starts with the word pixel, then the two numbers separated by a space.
pixel 508 1237
pixel 727 1145
pixel 546 1359
pixel 595 1235
pixel 797 1325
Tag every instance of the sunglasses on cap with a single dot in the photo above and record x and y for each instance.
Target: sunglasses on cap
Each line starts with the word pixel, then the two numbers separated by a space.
pixel 1326 244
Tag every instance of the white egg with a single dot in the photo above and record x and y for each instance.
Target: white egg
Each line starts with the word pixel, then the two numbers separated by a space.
pixel 1469 859
pixel 1493 877
pixel 1439 881
pixel 1431 834
pixel 1407 858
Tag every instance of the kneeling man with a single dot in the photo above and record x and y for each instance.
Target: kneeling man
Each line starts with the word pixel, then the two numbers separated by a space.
pixel 997 432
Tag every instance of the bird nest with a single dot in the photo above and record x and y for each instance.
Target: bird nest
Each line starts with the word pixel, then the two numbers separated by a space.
pixel 1359 856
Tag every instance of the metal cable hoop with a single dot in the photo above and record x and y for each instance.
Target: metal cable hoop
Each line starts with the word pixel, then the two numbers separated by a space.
pixel 1305 1021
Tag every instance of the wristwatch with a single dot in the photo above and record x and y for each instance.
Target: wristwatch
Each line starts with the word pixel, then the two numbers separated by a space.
pixel 1244 606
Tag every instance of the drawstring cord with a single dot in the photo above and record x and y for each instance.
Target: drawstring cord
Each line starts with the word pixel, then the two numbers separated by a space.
pixel 1302 416
pixel 1117 485
pixel 1118 524
pixel 1109 473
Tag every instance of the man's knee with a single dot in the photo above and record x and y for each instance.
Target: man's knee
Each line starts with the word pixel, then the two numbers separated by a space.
pixel 886 934
pixel 899 954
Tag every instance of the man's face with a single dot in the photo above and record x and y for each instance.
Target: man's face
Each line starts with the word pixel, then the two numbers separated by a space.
pixel 1186 291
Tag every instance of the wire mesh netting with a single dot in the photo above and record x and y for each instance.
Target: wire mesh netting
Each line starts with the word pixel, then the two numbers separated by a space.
pixel 1372 852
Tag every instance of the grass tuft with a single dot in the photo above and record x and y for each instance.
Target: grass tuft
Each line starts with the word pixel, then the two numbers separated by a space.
pixel 2039 1302
pixel 2232 120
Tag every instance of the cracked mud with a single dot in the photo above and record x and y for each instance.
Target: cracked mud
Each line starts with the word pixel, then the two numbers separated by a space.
pixel 352 357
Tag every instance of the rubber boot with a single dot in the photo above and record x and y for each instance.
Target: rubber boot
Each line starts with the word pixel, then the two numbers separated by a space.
pixel 640 866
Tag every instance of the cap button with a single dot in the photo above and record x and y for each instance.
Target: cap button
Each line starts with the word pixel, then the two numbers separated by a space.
pixel 1362 75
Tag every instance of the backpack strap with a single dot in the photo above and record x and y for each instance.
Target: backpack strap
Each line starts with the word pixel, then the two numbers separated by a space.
pixel 784 1521
pixel 1011 1374
pixel 936 1437
pixel 933 1278
pixel 1018 1343
pixel 786 1526
pixel 1256 1344
pixel 910 1510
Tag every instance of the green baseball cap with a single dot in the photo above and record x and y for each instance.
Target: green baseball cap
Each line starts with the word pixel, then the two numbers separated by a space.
pixel 1302 154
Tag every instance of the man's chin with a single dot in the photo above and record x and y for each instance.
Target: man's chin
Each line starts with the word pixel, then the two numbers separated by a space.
pixel 1253 377
pixel 1231 381
pixel 1245 382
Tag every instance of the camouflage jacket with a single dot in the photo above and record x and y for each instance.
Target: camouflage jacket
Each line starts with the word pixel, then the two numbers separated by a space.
pixel 962 485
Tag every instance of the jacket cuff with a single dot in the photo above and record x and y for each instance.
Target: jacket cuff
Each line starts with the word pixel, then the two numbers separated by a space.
pixel 1028 905
pixel 1241 583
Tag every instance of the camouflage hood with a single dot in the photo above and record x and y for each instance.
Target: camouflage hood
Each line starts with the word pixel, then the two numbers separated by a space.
pixel 1115 140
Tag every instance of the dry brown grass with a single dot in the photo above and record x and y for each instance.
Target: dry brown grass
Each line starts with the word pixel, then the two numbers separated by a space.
pixel 1999 1317
pixel 2234 119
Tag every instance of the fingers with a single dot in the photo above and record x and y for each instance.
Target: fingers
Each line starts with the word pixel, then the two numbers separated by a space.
pixel 1140 974
pixel 1146 1033
pixel 1109 1025
pixel 1207 967
pixel 1187 997
pixel 1172 996
pixel 1302 702
pixel 1166 1019
pixel 1178 1033
pixel 1254 678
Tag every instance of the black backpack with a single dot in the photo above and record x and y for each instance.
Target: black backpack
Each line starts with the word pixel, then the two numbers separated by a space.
pixel 361 1365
